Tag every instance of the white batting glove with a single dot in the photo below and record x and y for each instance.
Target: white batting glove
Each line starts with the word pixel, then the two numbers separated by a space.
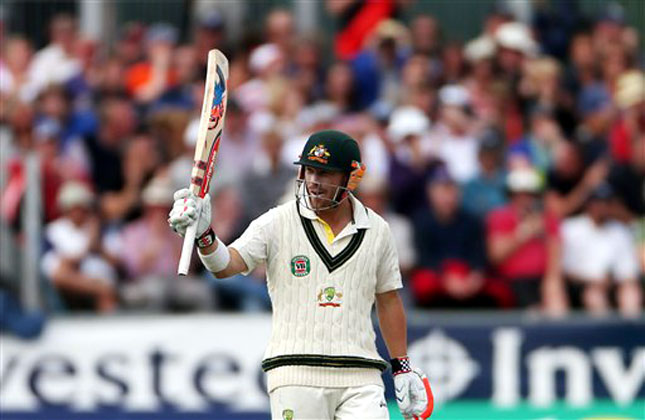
pixel 412 388
pixel 186 209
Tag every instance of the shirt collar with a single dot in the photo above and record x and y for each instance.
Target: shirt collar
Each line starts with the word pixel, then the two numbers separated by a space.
pixel 361 219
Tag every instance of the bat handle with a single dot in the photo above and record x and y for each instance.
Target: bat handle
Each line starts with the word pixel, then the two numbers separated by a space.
pixel 187 247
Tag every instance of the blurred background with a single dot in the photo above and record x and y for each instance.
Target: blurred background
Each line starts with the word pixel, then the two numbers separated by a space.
pixel 505 145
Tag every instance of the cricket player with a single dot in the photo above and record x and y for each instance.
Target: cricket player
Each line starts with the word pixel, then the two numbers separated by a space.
pixel 328 260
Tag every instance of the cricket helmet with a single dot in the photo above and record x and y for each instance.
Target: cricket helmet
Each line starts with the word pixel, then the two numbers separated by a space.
pixel 330 150
pixel 336 151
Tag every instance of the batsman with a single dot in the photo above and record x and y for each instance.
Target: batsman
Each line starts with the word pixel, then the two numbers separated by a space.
pixel 329 259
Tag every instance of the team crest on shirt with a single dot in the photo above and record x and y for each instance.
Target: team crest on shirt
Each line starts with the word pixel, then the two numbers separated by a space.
pixel 319 153
pixel 300 265
pixel 287 414
pixel 330 296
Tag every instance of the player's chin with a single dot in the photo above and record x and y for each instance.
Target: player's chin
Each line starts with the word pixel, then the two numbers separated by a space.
pixel 321 203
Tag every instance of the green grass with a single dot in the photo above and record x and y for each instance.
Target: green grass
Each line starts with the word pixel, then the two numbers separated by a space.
pixel 484 410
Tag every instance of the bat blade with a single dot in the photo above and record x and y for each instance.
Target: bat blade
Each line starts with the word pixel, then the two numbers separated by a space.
pixel 211 125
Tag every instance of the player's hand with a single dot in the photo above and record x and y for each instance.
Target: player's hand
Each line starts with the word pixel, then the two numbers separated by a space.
pixel 187 209
pixel 412 388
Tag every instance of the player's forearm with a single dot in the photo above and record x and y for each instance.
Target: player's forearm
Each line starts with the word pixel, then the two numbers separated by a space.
pixel 391 315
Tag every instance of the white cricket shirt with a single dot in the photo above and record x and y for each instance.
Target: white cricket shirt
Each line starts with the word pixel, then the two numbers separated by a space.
pixel 322 290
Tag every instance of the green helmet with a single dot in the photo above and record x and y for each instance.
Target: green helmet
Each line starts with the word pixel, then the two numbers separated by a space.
pixel 331 150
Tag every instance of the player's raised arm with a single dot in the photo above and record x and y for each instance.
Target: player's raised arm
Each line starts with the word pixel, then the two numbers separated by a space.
pixel 216 257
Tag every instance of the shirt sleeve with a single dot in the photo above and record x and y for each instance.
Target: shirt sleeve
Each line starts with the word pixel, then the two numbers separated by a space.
pixel 253 244
pixel 388 274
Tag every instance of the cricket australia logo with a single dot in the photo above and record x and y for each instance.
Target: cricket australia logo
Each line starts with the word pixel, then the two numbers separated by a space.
pixel 330 296
pixel 300 266
pixel 319 153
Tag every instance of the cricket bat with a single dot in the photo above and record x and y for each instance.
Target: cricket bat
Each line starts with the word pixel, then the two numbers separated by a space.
pixel 211 124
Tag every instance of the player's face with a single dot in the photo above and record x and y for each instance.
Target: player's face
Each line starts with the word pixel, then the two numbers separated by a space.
pixel 322 186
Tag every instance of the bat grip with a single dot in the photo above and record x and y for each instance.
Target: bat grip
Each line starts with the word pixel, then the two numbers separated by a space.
pixel 187 247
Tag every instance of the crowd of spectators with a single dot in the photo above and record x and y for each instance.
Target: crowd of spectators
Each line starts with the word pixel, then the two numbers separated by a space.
pixel 510 167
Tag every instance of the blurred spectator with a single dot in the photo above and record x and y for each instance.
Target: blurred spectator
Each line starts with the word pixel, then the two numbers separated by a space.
pixel 452 136
pixel 14 64
pixel 554 23
pixel 516 45
pixel 374 194
pixel 209 33
pixel 56 63
pixel 42 141
pixel 150 253
pixel 280 31
pixel 582 65
pixel 629 95
pixel 181 95
pixel 268 178
pixel 146 81
pixel 129 47
pixel 628 181
pixel 596 112
pixel 267 65
pixel 486 190
pixel 599 253
pixel 411 159
pixel 76 261
pixel 480 53
pixel 117 122
pixel 55 103
pixel 377 67
pixel 524 245
pixel 426 36
pixel 451 253
pixel 341 88
pixel 453 63
pixel 539 144
pixel 569 183
pixel 307 73
pixel 541 88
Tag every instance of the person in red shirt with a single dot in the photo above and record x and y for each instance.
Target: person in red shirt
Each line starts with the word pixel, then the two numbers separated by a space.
pixel 524 245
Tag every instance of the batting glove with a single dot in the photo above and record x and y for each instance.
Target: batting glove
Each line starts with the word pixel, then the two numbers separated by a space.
pixel 187 209
pixel 412 388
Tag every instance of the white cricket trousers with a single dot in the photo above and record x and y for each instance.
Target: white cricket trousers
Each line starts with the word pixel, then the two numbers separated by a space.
pixel 311 403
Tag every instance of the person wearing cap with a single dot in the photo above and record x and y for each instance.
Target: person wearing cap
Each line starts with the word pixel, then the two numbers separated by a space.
pixel 479 54
pixel 76 260
pixel 411 159
pixel 452 137
pixel 524 245
pixel 329 259
pixel 451 252
pixel 516 45
pixel 598 256
pixel 266 63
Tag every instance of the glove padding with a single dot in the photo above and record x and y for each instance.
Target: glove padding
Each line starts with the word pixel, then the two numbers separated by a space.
pixel 187 209
pixel 413 394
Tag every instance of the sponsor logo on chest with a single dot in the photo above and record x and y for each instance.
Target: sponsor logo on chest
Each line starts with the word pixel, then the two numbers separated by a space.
pixel 300 265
